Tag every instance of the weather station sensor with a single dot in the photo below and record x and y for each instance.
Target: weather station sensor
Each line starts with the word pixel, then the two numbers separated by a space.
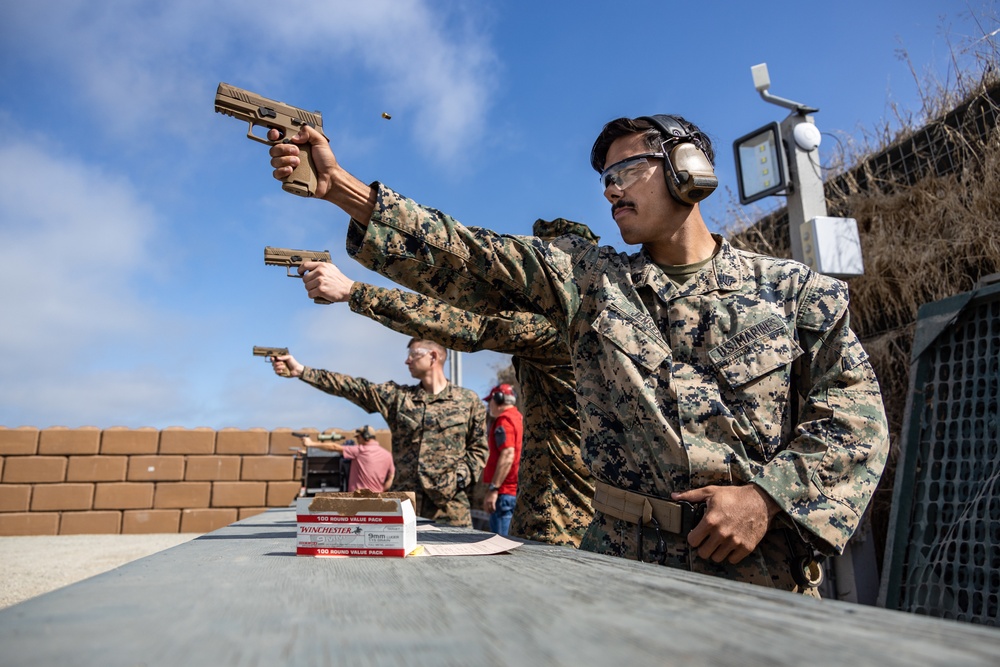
pixel 806 136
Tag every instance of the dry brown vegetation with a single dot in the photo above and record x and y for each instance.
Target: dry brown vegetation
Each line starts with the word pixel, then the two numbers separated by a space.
pixel 927 201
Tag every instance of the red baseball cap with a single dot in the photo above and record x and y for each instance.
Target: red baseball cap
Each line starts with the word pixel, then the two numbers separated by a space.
pixel 504 390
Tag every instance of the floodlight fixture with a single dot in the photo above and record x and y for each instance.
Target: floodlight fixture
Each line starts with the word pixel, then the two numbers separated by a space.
pixel 760 163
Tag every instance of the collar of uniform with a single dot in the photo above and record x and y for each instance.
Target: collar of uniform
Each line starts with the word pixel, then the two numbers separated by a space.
pixel 723 275
pixel 428 397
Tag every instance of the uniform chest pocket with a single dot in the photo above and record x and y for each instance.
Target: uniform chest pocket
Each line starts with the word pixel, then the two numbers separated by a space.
pixel 449 429
pixel 407 423
pixel 628 356
pixel 754 352
pixel 629 334
pixel 755 367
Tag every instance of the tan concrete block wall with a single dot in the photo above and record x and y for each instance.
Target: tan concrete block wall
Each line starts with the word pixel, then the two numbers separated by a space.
pixel 121 440
pixel 30 523
pixel 151 521
pixel 267 467
pixel 91 523
pixel 15 497
pixel 235 441
pixel 62 497
pixel 155 468
pixel 88 481
pixel 124 496
pixel 34 469
pixel 239 494
pixel 22 441
pixel 281 494
pixel 176 440
pixel 97 469
pixel 60 440
pixel 178 495
pixel 212 468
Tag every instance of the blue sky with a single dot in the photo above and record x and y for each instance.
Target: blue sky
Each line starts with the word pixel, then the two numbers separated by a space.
pixel 133 218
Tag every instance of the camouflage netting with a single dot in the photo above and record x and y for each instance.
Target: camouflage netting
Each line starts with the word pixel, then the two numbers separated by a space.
pixel 928 212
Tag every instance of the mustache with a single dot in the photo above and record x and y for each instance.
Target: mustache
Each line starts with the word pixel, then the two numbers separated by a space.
pixel 621 203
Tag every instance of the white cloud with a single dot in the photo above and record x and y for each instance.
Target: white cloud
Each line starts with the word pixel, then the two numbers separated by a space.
pixel 76 241
pixel 73 236
pixel 142 65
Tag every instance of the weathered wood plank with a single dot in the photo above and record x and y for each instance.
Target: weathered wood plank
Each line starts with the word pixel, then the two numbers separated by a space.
pixel 239 596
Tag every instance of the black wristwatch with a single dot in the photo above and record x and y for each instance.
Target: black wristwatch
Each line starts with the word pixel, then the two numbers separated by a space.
pixel 494 487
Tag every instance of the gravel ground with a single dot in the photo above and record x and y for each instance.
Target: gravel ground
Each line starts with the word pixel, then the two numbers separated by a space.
pixel 37 564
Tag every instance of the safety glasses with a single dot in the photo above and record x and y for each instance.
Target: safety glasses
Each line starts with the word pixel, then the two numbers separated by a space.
pixel 626 172
pixel 416 353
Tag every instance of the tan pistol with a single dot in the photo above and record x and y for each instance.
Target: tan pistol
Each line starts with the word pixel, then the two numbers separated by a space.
pixel 290 259
pixel 269 352
pixel 259 111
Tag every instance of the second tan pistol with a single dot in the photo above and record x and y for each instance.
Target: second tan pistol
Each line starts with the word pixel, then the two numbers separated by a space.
pixel 269 352
pixel 290 258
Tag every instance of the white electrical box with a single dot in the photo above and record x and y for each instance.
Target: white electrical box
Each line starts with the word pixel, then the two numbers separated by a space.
pixel 832 246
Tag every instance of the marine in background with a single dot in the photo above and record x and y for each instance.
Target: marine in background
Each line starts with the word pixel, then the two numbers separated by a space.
pixel 438 429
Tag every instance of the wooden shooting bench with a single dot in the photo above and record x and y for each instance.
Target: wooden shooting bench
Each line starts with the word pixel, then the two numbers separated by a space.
pixel 240 596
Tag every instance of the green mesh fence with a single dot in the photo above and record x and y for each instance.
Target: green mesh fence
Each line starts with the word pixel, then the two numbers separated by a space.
pixel 943 554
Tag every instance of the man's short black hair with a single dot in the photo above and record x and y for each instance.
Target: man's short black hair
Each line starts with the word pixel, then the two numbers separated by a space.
pixel 621 127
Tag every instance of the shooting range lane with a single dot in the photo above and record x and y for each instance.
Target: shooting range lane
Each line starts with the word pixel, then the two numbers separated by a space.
pixel 240 596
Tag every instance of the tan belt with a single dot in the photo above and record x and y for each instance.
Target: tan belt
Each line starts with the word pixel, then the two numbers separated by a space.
pixel 673 517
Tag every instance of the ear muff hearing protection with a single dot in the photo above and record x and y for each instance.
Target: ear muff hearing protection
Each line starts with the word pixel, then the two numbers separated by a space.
pixel 689 173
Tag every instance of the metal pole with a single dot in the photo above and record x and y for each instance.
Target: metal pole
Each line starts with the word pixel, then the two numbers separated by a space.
pixel 806 197
pixel 455 368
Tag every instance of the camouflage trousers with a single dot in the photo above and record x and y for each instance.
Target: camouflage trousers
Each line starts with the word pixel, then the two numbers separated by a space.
pixel 454 513
pixel 770 564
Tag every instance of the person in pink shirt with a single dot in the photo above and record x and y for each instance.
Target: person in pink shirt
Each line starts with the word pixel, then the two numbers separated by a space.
pixel 371 463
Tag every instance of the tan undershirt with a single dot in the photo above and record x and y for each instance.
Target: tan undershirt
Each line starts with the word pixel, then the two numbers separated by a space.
pixel 681 273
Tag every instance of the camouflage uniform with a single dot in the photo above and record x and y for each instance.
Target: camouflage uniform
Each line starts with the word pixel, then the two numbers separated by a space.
pixel 678 387
pixel 554 485
pixel 436 439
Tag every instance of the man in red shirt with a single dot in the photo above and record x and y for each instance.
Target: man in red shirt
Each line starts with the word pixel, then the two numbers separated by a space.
pixel 371 463
pixel 500 474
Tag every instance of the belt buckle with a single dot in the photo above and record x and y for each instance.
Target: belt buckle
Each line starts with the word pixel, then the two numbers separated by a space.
pixel 691 514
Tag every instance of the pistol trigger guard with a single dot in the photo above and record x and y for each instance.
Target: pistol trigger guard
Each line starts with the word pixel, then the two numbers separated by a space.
pixel 253 137
pixel 264 140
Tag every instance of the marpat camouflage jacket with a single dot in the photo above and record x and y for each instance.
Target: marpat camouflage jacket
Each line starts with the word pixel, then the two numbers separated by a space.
pixel 678 388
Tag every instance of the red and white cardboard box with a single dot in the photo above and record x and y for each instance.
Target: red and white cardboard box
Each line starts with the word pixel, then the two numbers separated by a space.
pixel 361 523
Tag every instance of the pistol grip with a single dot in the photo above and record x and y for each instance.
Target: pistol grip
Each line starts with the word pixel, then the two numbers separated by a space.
pixel 322 301
pixel 302 181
